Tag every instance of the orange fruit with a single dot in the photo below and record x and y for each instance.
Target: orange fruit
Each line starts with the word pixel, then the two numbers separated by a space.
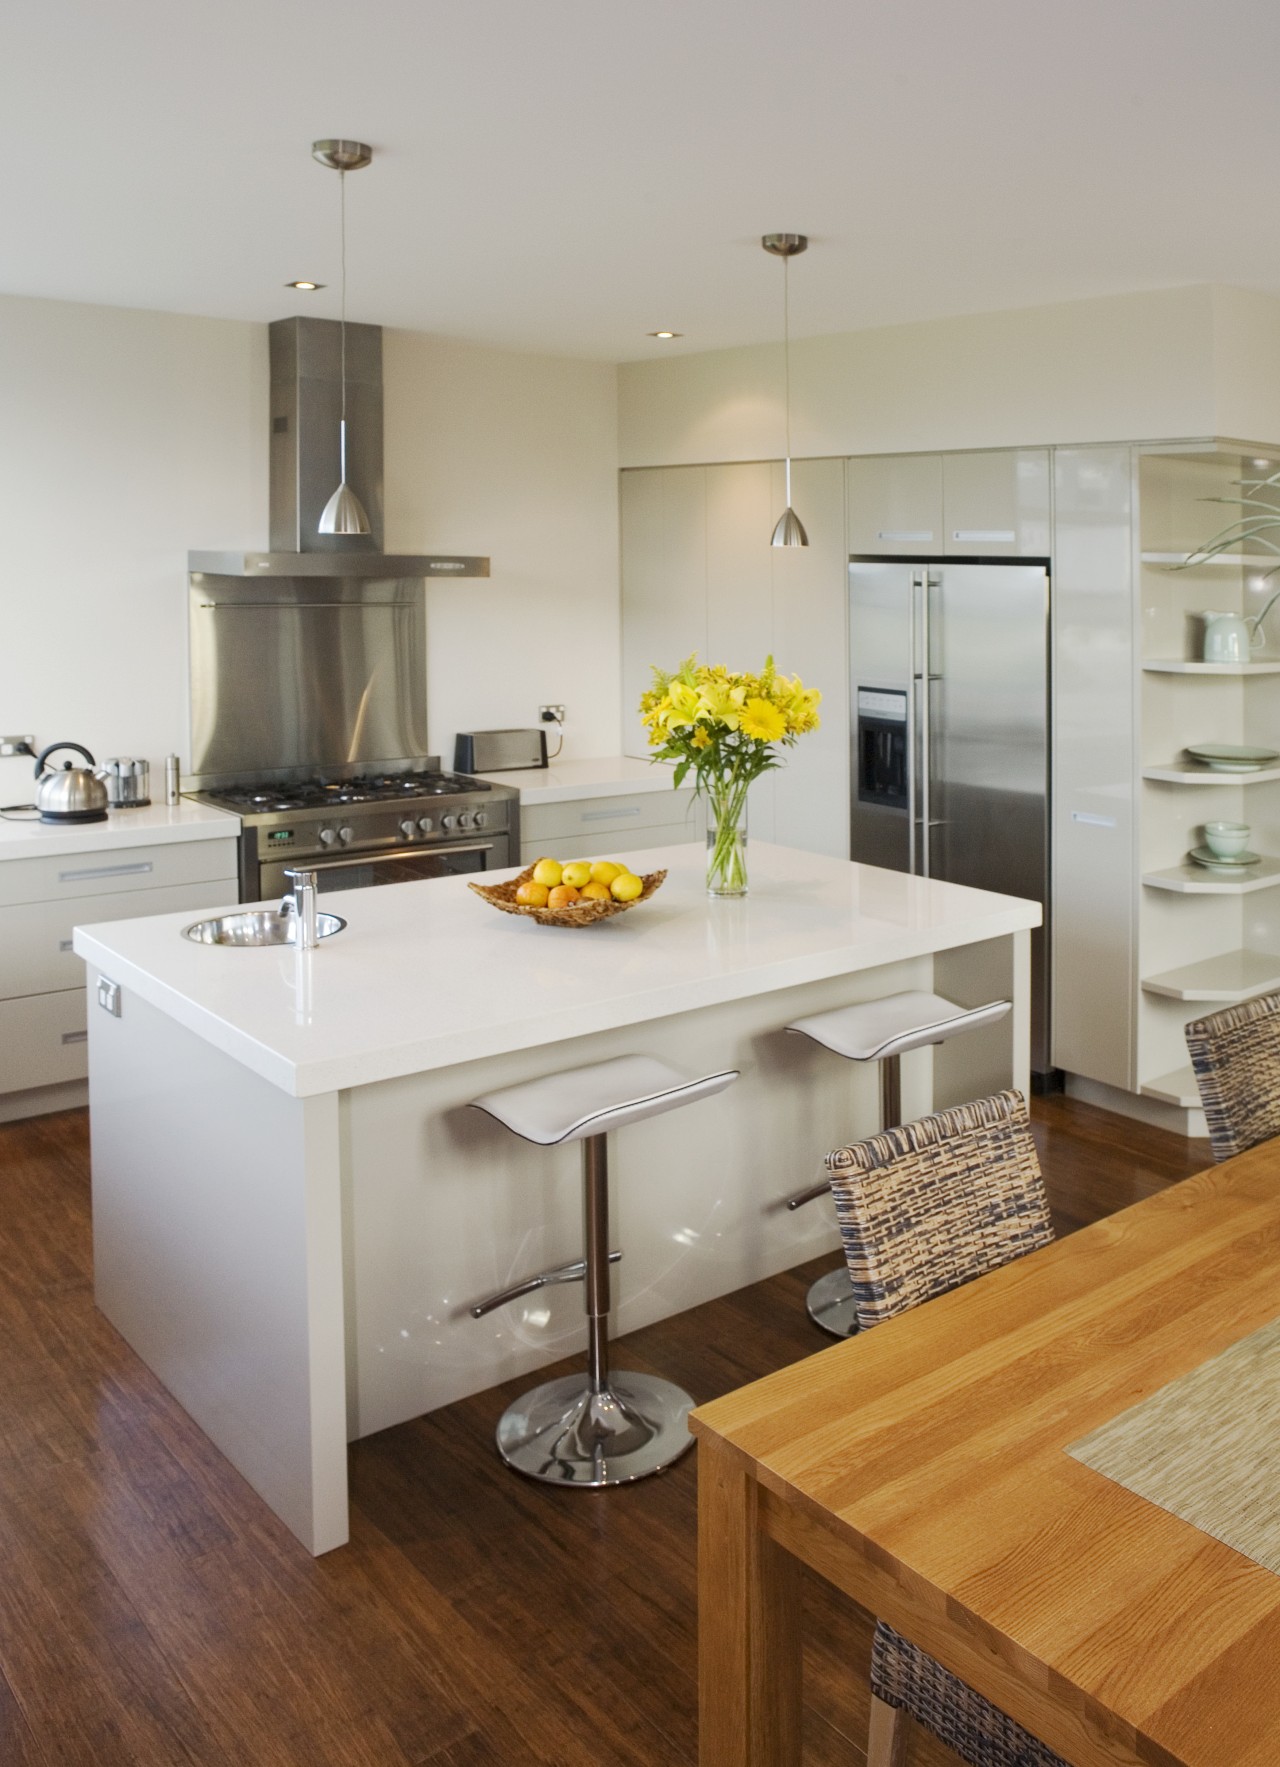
pixel 563 896
pixel 533 895
pixel 597 892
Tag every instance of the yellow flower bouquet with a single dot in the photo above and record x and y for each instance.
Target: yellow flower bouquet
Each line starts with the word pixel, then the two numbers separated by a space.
pixel 725 727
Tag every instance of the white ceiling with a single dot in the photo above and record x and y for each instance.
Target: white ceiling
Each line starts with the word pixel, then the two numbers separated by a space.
pixel 567 175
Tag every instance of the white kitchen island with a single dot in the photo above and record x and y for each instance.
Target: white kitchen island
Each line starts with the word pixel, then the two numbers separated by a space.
pixel 294 1209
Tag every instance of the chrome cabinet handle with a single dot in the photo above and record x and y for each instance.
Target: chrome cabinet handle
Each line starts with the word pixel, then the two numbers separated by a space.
pixel 105 871
pixel 607 815
pixel 75 1036
pixel 66 944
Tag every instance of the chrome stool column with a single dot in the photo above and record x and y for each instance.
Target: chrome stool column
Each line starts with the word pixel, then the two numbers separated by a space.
pixel 881 1031
pixel 609 1428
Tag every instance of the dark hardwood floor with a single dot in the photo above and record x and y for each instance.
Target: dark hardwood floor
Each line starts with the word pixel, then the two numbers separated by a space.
pixel 152 1611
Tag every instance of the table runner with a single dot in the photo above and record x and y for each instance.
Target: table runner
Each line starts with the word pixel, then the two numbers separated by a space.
pixel 1206 1447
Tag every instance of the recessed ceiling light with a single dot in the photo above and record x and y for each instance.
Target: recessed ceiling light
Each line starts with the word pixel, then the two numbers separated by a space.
pixel 665 334
pixel 306 285
pixel 1262 463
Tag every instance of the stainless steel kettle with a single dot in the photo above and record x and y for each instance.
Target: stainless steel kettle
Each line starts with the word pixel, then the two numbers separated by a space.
pixel 67 793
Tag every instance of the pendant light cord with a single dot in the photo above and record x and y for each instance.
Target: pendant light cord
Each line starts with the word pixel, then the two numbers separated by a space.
pixel 786 346
pixel 342 205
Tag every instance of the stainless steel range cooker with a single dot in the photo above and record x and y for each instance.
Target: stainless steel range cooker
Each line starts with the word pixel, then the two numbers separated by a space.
pixel 378 828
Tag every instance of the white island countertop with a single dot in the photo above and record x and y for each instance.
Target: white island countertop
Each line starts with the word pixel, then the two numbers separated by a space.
pixel 427 975
pixel 154 825
pixel 610 776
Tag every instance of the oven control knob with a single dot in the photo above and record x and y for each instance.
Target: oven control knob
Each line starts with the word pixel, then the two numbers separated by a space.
pixel 425 824
pixel 448 821
pixel 345 835
pixel 464 821
pixel 480 819
pixel 328 836
pixel 408 828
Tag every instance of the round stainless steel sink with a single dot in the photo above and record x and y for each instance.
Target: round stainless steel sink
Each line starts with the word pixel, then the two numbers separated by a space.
pixel 260 926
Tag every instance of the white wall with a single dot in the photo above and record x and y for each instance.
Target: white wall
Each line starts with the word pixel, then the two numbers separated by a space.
pixel 1112 369
pixel 125 439
pixel 516 457
pixel 129 438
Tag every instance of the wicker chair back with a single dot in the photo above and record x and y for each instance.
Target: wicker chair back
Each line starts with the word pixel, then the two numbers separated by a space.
pixel 1236 1057
pixel 928 1206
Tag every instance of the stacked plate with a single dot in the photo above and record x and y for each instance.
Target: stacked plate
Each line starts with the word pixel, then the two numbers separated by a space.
pixel 1218 862
pixel 1229 757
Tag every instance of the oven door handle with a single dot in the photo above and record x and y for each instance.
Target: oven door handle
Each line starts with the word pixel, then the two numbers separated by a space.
pixel 396 854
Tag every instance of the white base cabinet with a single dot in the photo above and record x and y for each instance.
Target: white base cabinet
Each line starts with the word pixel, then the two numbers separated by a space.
pixel 604 827
pixel 42 997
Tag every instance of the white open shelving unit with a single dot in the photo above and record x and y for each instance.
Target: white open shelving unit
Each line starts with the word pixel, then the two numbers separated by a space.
pixel 1206 939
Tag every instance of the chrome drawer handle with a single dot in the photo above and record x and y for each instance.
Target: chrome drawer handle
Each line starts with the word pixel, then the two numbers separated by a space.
pixel 66 944
pixel 75 1036
pixel 105 871
pixel 608 815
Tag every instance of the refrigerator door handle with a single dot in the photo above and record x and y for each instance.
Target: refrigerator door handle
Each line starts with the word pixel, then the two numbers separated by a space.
pixel 911 722
pixel 920 580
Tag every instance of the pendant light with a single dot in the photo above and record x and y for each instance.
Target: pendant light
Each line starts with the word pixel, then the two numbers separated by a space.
pixel 789 530
pixel 343 513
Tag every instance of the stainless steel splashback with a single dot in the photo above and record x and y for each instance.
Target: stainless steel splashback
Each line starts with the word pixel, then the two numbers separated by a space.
pixel 297 675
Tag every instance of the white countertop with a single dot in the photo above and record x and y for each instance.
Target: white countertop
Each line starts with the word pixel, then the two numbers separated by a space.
pixel 426 975
pixel 562 781
pixel 153 826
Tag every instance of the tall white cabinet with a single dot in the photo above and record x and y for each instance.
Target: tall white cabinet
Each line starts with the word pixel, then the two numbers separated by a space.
pixel 699 574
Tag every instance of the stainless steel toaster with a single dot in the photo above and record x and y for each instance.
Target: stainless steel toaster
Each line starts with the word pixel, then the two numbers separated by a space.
pixel 498 751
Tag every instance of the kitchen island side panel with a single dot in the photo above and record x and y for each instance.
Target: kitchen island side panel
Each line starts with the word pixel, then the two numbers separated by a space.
pixel 218 1252
pixel 446 1206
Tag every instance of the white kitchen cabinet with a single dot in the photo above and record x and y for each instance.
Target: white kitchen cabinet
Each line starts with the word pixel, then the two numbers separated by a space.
pixel 895 504
pixel 993 503
pixel 42 898
pixel 664 581
pixel 699 573
pixel 996 504
pixel 603 827
pixel 1094 899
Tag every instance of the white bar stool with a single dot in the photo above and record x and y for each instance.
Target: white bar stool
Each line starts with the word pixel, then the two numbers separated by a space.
pixel 882 1031
pixel 608 1429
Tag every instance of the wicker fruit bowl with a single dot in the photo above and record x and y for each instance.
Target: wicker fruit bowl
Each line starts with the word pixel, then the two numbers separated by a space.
pixel 503 896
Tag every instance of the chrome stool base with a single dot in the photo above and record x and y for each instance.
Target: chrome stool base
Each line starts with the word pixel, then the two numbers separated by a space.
pixel 565 1434
pixel 831 1304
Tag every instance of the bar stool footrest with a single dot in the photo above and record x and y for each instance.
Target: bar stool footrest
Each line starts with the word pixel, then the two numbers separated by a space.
pixel 574 1272
pixel 565 1434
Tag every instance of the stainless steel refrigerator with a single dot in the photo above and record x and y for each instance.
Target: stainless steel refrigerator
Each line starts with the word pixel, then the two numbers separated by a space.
pixel 950 732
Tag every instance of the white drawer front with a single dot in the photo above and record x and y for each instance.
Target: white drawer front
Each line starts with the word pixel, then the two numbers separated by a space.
pixel 35 937
pixel 43 1040
pixel 121 868
pixel 586 846
pixel 604 817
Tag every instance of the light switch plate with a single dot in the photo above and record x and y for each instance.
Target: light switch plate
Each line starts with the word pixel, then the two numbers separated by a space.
pixel 17 745
pixel 109 996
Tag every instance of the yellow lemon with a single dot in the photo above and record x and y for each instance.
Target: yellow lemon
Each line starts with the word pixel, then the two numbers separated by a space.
pixel 547 871
pixel 596 892
pixel 604 871
pixel 625 887
pixel 577 872
pixel 563 896
pixel 533 895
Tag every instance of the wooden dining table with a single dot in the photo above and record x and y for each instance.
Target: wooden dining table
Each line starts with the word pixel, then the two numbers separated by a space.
pixel 923 1469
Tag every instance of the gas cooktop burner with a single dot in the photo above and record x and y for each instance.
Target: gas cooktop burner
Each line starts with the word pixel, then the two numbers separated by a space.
pixel 311 794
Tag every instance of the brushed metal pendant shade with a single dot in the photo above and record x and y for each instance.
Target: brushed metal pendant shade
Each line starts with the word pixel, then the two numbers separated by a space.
pixel 789 529
pixel 343 513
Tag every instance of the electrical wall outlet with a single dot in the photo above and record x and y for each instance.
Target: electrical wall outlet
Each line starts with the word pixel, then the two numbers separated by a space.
pixel 551 714
pixel 17 745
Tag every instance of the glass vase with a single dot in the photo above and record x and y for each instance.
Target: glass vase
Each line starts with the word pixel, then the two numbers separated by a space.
pixel 727 842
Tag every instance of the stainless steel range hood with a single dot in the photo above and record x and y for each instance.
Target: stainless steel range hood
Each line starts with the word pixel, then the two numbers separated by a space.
pixel 306 402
